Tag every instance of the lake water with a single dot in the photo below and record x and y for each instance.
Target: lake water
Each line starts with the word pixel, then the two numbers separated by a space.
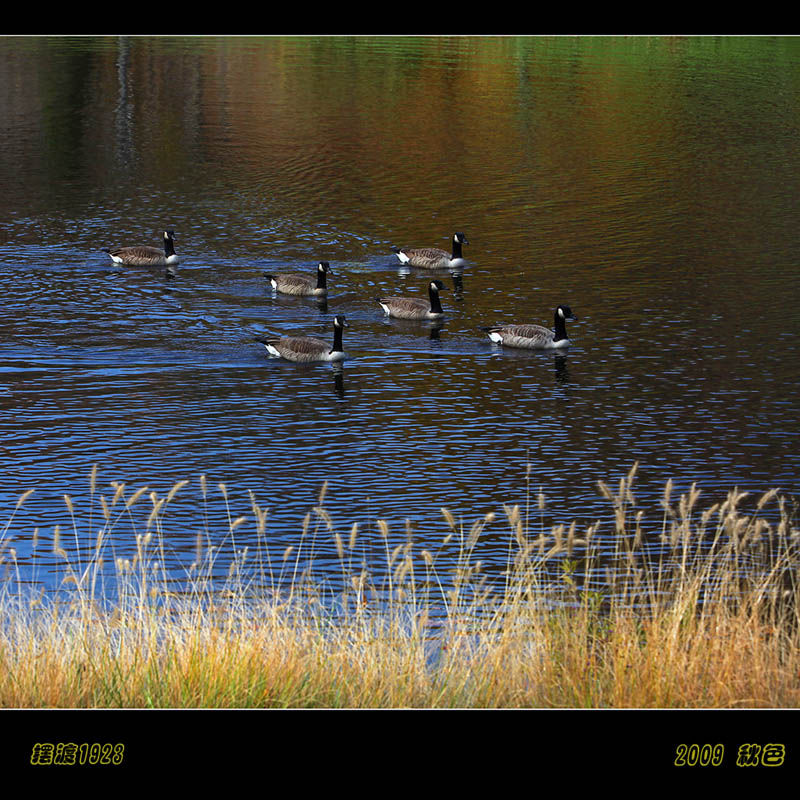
pixel 650 183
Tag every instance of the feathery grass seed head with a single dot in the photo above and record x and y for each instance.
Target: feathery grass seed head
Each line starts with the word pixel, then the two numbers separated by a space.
pixel 23 497
pixel 135 496
pixel 175 489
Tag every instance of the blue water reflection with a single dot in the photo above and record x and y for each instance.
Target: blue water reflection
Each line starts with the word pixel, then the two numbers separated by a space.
pixel 648 183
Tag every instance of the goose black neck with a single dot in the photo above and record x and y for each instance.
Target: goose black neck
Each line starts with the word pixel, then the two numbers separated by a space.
pixel 337 339
pixel 456 247
pixel 561 327
pixel 169 247
pixel 436 303
pixel 322 280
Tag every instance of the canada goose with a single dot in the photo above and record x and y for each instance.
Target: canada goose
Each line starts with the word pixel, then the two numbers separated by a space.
pixel 302 284
pixel 433 257
pixel 144 256
pixel 415 307
pixel 307 348
pixel 534 336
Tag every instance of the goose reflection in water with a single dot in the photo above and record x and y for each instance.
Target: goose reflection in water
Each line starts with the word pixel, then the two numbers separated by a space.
pixel 562 372
pixel 458 285
pixel 560 360
pixel 457 276
pixel 413 327
pixel 338 379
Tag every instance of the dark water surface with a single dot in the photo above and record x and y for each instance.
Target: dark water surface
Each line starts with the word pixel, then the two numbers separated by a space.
pixel 651 184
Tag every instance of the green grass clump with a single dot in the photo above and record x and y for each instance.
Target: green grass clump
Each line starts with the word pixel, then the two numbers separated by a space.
pixel 697 609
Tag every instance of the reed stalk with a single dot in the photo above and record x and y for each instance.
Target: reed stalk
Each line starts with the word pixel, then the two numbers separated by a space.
pixel 697 609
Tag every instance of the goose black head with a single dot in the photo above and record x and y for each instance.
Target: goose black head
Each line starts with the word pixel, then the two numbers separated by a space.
pixel 565 312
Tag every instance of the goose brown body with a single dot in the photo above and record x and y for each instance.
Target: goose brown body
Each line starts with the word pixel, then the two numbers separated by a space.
pixel 534 337
pixel 307 348
pixel 433 257
pixel 146 256
pixel 415 307
pixel 293 283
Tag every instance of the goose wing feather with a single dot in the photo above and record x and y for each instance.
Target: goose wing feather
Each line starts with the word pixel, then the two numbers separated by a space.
pixel 406 307
pixel 294 284
pixel 141 255
pixel 525 335
pixel 301 348
pixel 426 256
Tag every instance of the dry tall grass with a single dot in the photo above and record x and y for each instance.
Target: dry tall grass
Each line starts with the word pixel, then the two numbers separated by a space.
pixel 705 617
